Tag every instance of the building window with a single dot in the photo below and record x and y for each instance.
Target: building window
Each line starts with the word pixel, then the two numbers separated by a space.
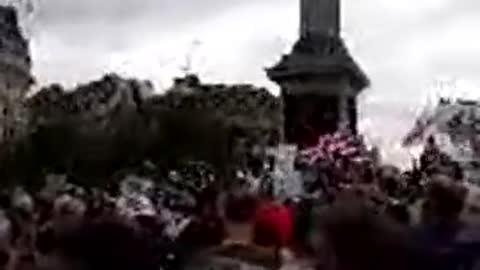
pixel 5 111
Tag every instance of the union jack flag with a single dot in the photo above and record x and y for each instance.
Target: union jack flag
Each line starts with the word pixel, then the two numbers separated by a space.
pixel 334 146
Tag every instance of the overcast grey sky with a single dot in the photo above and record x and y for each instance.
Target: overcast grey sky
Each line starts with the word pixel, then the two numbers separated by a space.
pixel 403 45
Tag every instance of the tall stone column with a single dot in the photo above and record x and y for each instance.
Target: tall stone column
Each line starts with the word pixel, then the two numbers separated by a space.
pixel 319 17
pixel 320 73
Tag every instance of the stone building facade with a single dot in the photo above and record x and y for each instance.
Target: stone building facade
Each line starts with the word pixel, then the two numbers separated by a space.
pixel 15 76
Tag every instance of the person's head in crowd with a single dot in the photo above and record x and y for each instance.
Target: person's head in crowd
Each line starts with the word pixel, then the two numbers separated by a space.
pixel 240 207
pixel 207 201
pixel 5 201
pixel 5 240
pixel 22 201
pixel 431 141
pixel 289 202
pixel 414 178
pixel 388 180
pixel 368 176
pixel 391 186
pixel 445 199
pixel 300 163
pixel 205 231
pixel 67 210
pixel 471 210
pixel 5 258
pixel 45 240
pixel 458 174
pixel 67 205
pixel 43 203
pixel 352 237
pixel 106 243
pixel 149 223
pixel 399 213
pixel 267 189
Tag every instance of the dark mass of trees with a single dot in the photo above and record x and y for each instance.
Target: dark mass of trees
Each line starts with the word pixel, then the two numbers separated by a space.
pixel 113 123
pixel 91 152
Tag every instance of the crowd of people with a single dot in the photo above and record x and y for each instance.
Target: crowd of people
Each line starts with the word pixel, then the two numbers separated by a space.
pixel 352 216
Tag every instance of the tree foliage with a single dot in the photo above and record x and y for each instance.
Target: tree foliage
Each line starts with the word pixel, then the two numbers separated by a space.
pixel 114 123
pixel 90 153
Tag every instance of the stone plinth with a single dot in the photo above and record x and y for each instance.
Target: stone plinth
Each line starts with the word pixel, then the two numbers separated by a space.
pixel 319 80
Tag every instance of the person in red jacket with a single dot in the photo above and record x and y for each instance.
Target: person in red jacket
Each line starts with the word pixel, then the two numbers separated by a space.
pixel 273 225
